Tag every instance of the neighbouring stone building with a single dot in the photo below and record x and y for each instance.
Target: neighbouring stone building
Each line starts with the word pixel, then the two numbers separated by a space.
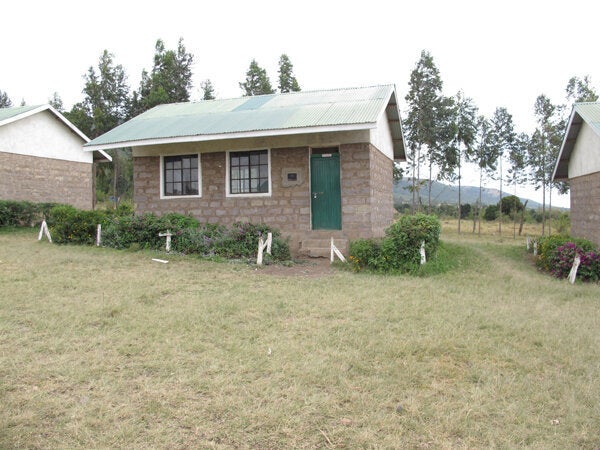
pixel 314 165
pixel 579 163
pixel 42 159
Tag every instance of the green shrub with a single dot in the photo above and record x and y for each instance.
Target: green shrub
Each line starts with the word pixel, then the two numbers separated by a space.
pixel 399 250
pixel 21 213
pixel 363 252
pixel 70 225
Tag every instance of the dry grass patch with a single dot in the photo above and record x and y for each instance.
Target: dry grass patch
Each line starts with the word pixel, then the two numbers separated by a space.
pixel 102 348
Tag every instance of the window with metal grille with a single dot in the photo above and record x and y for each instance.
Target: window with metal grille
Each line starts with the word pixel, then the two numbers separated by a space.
pixel 181 175
pixel 249 172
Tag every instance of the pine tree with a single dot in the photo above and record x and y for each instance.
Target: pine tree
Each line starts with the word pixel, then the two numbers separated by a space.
pixel 208 89
pixel 257 82
pixel 56 102
pixel 5 102
pixel 170 80
pixel 287 80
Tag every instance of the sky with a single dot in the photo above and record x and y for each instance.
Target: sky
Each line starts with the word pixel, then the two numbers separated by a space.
pixel 501 54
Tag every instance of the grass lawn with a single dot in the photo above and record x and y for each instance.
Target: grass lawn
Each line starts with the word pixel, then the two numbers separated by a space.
pixel 103 349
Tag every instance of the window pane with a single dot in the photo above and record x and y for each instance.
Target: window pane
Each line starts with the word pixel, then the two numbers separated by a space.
pixel 235 161
pixel 264 171
pixel 194 188
pixel 177 164
pixel 264 159
pixel 235 173
pixel 244 172
pixel 264 186
pixel 254 159
pixel 194 162
pixel 177 176
pixel 186 163
pixel 169 176
pixel 244 160
pixel 169 189
pixel 254 172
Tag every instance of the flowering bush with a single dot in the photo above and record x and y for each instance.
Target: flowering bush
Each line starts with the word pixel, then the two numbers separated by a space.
pixel 562 260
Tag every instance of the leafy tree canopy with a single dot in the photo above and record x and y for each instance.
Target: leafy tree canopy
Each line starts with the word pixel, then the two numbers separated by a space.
pixel 580 90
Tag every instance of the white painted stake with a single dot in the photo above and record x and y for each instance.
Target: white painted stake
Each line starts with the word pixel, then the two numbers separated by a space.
pixel 163 261
pixel 528 243
pixel 261 248
pixel 335 251
pixel 422 251
pixel 168 235
pixel 98 235
pixel 573 272
pixel 44 231
pixel 534 248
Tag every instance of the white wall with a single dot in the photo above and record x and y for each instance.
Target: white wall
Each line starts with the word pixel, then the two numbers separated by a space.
pixel 585 158
pixel 43 135
pixel 381 137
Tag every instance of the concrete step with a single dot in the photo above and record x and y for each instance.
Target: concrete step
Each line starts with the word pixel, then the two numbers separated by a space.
pixel 321 248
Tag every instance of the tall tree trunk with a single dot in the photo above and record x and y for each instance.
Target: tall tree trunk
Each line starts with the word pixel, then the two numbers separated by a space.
pixel 550 212
pixel 522 217
pixel 500 202
pixel 459 199
pixel 479 210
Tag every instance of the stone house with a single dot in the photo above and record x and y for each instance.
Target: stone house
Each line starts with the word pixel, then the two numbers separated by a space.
pixel 579 164
pixel 42 160
pixel 314 165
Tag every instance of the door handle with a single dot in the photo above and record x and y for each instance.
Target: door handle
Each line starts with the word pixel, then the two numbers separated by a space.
pixel 316 194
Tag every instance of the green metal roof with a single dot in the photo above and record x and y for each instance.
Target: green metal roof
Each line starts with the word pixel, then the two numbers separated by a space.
pixel 284 113
pixel 582 112
pixel 9 113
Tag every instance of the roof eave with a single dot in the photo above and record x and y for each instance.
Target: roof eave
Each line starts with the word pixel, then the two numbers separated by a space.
pixel 231 136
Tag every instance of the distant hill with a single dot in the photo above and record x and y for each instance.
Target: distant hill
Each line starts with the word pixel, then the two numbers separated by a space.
pixel 448 194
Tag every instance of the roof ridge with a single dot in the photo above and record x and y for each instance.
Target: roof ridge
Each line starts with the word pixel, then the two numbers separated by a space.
pixel 288 93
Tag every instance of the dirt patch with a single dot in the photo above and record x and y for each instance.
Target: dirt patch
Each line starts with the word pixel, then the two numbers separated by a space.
pixel 308 268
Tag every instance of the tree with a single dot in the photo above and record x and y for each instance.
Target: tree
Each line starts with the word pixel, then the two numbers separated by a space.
pixel 257 82
pixel 5 102
pixel 544 147
pixel 463 126
pixel 502 141
pixel 56 102
pixel 580 90
pixel 208 89
pixel 425 104
pixel 170 80
pixel 287 80
pixel 483 154
pixel 105 106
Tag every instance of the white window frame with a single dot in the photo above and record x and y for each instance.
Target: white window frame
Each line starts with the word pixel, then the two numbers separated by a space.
pixel 162 176
pixel 228 193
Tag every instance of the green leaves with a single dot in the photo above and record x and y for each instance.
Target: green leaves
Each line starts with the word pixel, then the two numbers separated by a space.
pixel 257 81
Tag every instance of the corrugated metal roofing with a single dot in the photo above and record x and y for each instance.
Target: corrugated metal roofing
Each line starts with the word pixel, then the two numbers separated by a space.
pixel 264 113
pixel 590 112
pixel 582 112
pixel 9 113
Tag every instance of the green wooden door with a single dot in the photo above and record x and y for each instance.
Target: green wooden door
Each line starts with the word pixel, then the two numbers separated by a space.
pixel 326 199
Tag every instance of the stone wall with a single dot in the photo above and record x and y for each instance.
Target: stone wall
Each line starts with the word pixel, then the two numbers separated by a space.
pixel 585 207
pixel 366 185
pixel 36 179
